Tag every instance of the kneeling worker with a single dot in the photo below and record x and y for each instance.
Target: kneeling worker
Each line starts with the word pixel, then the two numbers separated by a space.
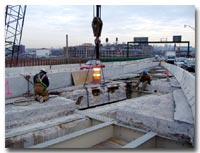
pixel 144 79
pixel 41 82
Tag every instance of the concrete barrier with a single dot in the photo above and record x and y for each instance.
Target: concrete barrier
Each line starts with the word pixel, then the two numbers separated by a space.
pixel 31 70
pixel 187 82
pixel 60 75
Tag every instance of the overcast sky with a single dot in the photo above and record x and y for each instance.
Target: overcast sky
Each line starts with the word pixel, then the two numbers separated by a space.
pixel 47 26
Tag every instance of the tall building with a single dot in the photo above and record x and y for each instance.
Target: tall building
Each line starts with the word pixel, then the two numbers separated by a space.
pixel 141 46
pixel 20 48
pixel 86 50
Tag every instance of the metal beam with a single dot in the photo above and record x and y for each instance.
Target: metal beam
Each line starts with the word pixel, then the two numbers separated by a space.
pixel 85 138
pixel 14 22
pixel 95 116
pixel 41 127
pixel 159 42
pixel 141 140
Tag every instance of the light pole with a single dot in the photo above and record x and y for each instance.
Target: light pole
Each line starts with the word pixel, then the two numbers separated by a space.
pixel 189 27
pixel 193 30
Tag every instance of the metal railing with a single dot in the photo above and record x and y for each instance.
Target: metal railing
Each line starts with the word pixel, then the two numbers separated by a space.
pixel 59 61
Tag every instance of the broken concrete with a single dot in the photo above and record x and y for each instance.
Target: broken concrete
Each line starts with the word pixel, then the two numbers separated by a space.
pixel 45 131
pixel 151 113
pixel 27 126
pixel 161 86
pixel 16 116
pixel 96 94
pixel 156 114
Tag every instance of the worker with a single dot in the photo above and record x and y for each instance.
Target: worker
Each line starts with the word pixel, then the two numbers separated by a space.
pixel 41 83
pixel 144 79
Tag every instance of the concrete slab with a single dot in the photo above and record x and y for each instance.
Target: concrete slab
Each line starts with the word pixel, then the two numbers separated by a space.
pixel 124 76
pixel 161 107
pixel 151 113
pixel 96 94
pixel 42 125
pixel 187 82
pixel 74 94
pixel 161 85
pixel 45 131
pixel 183 110
pixel 156 113
pixel 22 115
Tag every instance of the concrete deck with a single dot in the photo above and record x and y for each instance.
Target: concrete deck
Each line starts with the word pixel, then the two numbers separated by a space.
pixel 151 113
pixel 16 116
pixel 32 134
pixel 169 112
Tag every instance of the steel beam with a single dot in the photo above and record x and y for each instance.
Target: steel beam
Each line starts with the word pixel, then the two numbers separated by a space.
pixel 141 140
pixel 41 127
pixel 85 138
pixel 160 42
pixel 95 116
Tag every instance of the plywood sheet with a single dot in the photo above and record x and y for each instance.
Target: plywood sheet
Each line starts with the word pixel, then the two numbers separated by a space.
pixel 81 77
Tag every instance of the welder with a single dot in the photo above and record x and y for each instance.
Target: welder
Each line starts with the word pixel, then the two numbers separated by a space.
pixel 144 79
pixel 41 83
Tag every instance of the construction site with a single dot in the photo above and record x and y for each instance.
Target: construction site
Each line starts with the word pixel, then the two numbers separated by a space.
pixel 109 114
pixel 104 110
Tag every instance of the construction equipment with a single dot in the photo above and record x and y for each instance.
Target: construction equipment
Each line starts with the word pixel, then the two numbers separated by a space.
pixel 27 78
pixel 14 21
pixel 97 25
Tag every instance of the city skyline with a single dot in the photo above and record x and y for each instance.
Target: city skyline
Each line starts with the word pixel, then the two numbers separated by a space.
pixel 47 26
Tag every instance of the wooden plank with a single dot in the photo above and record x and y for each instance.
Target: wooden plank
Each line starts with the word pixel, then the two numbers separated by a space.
pixel 79 77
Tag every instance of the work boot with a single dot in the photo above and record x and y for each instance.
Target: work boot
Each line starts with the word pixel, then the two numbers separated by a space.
pixel 41 99
pixel 36 97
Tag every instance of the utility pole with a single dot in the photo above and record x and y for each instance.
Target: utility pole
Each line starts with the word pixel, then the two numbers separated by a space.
pixel 97 25
pixel 188 52
pixel 66 52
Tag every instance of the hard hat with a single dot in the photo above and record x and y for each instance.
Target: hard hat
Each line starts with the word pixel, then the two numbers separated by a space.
pixel 43 70
pixel 144 72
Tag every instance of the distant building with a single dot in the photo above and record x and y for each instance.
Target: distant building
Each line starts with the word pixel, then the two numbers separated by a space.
pixel 86 50
pixel 18 51
pixel 183 50
pixel 57 52
pixel 20 48
pixel 141 46
pixel 42 53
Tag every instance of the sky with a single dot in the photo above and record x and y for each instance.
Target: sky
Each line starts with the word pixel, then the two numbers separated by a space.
pixel 46 26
